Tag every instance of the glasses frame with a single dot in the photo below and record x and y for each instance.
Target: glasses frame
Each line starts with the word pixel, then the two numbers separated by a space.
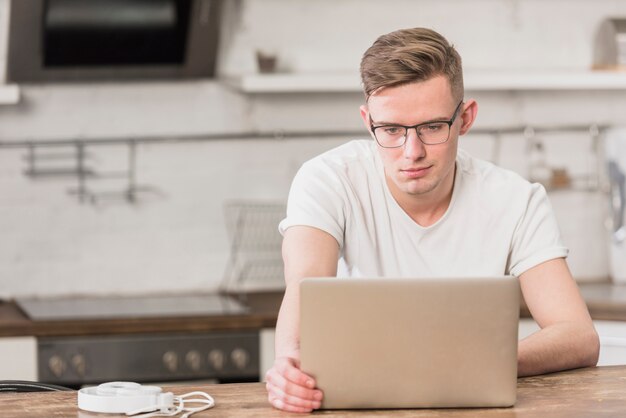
pixel 406 128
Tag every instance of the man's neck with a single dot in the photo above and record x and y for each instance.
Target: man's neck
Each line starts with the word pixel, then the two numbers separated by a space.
pixel 425 209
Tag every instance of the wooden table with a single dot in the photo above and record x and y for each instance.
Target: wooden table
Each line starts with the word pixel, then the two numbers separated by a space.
pixel 591 392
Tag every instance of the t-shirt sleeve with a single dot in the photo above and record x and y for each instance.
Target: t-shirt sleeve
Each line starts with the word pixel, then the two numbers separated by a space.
pixel 537 238
pixel 317 199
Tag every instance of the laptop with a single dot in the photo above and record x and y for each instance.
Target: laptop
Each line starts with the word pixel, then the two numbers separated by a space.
pixel 375 343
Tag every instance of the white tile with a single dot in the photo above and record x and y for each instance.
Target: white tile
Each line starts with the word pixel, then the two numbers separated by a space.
pixel 174 237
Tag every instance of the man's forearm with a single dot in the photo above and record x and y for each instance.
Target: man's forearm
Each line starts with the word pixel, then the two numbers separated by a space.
pixel 287 339
pixel 561 346
pixel 307 252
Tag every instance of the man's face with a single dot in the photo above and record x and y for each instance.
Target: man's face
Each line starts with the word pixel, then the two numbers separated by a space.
pixel 415 169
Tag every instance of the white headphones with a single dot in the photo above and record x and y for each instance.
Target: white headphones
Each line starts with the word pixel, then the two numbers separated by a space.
pixel 132 398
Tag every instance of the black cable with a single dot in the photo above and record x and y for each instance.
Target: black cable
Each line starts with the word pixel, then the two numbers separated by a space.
pixel 27 386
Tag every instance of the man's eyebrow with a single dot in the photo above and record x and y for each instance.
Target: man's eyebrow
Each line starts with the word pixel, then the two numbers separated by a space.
pixel 437 119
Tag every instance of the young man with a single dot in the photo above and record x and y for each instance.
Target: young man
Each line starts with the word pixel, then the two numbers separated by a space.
pixel 409 203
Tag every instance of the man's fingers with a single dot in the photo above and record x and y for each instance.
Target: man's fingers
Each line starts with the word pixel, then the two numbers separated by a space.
pixel 292 373
pixel 279 404
pixel 277 393
pixel 290 388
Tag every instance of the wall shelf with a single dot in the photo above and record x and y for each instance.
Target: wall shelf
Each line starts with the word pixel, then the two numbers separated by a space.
pixel 9 94
pixel 545 80
pixel 475 80
pixel 298 83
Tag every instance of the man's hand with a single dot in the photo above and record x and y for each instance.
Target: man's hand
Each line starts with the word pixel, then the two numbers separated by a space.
pixel 289 389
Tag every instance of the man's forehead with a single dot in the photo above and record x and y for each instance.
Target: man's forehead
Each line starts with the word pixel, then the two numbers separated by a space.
pixel 411 103
pixel 439 85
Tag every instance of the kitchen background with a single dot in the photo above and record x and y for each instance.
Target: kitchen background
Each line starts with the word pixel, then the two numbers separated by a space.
pixel 242 136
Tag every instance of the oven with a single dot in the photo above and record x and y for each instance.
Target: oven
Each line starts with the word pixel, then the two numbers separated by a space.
pixel 175 356
pixel 78 40
pixel 224 357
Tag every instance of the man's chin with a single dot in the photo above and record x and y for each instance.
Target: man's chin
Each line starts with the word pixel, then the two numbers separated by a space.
pixel 411 187
pixel 417 188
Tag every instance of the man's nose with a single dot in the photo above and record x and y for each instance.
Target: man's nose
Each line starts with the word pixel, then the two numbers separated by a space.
pixel 413 147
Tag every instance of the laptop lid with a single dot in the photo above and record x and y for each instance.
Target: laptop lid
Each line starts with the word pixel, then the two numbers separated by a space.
pixel 411 343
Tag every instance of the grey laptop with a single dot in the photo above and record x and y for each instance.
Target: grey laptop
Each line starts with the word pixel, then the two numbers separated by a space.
pixel 411 343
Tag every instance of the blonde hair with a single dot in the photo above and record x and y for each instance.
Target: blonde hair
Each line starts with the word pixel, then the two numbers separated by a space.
pixel 410 55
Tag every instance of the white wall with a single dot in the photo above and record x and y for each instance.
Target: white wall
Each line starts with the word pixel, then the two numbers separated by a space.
pixel 174 239
pixel 327 35
pixel 331 35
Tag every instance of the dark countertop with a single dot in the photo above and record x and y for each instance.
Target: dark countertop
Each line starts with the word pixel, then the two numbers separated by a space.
pixel 605 301
pixel 263 310
pixel 590 392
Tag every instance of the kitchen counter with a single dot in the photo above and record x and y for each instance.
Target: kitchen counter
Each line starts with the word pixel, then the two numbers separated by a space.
pixel 605 302
pixel 262 313
pixel 590 392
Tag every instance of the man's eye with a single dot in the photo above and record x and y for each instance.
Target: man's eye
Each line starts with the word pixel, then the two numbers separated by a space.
pixel 434 127
pixel 392 130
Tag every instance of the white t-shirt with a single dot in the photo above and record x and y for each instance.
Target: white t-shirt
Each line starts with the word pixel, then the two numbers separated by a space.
pixel 497 223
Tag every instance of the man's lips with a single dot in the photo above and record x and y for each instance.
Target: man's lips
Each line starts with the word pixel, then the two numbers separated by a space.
pixel 416 172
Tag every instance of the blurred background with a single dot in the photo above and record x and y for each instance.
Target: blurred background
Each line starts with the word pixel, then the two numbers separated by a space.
pixel 127 126
pixel 147 146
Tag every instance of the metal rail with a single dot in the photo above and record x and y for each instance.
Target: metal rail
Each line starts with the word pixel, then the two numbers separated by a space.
pixel 278 134
pixel 78 168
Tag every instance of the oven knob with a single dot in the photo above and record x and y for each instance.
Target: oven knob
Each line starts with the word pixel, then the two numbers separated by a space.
pixel 57 365
pixel 170 361
pixel 240 357
pixel 217 359
pixel 79 364
pixel 193 360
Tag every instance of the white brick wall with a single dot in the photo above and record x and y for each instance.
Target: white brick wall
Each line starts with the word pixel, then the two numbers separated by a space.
pixel 328 35
pixel 175 239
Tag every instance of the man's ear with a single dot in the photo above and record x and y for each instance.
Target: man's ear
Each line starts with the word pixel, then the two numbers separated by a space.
pixel 470 110
pixel 365 115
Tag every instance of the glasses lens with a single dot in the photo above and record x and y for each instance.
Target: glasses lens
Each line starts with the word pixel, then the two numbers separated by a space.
pixel 434 133
pixel 390 136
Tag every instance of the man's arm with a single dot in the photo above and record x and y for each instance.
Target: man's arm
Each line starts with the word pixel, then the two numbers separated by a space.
pixel 567 338
pixel 307 252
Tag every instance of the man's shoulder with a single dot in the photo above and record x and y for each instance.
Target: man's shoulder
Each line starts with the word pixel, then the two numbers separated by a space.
pixel 351 150
pixel 497 193
pixel 345 157
pixel 489 175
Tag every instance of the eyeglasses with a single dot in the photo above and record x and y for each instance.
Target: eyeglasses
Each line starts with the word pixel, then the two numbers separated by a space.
pixel 430 133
